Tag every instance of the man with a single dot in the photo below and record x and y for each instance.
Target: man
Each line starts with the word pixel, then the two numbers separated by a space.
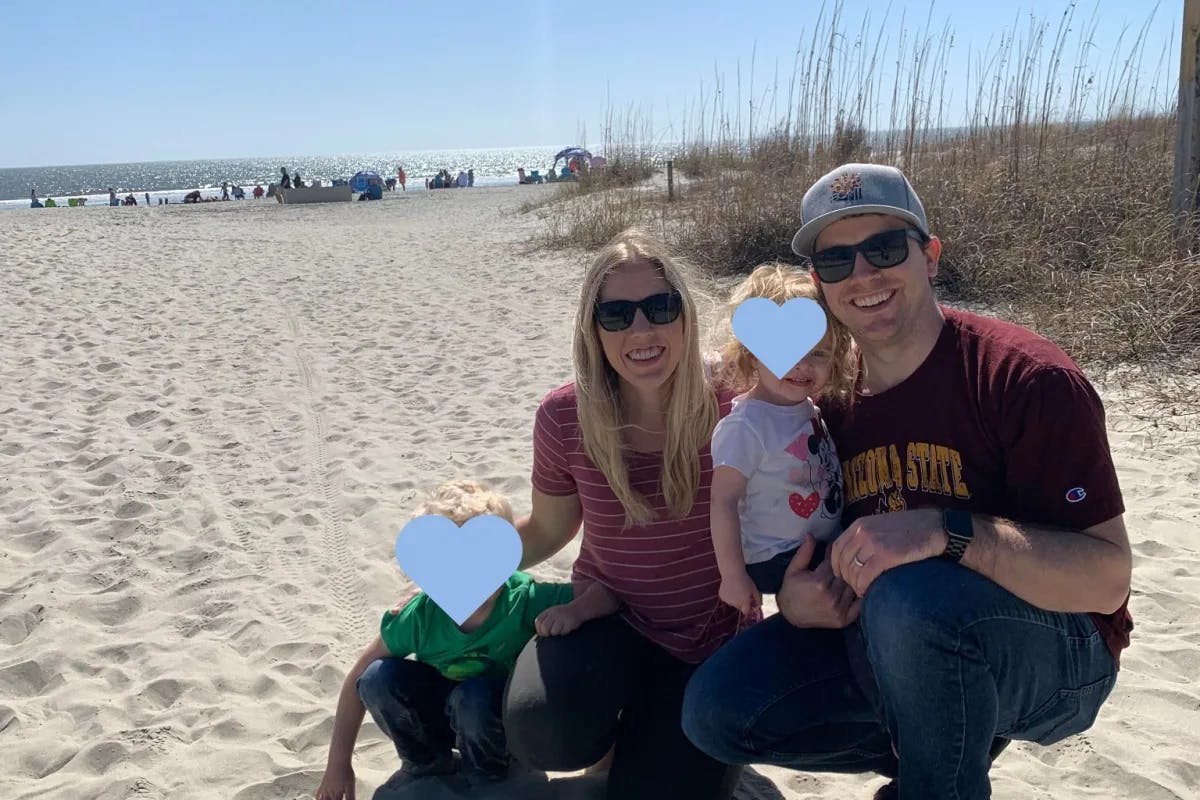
pixel 979 591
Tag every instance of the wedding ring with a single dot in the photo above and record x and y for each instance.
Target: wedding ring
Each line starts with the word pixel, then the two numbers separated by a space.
pixel 858 563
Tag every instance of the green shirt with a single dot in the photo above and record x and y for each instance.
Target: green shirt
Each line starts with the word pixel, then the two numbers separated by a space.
pixel 422 629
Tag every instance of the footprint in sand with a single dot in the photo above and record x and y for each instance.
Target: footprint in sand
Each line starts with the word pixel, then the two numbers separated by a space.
pixel 25 679
pixel 141 418
pixel 131 509
pixel 17 628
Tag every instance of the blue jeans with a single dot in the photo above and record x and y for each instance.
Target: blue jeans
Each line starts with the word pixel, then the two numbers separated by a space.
pixel 941 661
pixel 425 714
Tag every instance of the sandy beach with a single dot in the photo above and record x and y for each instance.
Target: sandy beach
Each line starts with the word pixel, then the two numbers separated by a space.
pixel 213 422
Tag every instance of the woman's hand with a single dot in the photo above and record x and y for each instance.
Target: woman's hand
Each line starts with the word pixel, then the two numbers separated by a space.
pixel 815 598
pixel 557 620
pixel 337 783
pixel 740 592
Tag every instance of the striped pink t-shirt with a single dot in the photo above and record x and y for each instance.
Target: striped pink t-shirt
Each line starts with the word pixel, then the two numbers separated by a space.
pixel 664 572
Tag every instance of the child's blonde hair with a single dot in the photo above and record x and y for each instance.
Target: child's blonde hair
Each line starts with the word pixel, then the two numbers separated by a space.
pixel 464 500
pixel 782 282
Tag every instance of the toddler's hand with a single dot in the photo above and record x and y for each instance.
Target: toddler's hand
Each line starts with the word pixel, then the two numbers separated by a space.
pixel 557 621
pixel 741 593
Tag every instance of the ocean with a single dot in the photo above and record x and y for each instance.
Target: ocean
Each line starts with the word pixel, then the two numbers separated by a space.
pixel 173 179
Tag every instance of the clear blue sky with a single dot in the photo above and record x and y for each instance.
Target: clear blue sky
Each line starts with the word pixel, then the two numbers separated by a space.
pixel 132 80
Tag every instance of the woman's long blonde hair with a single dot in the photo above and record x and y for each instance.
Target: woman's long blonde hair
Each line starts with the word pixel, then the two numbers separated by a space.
pixel 781 282
pixel 691 412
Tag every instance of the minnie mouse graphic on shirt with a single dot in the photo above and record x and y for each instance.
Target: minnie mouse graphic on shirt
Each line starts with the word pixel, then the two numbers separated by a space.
pixel 820 474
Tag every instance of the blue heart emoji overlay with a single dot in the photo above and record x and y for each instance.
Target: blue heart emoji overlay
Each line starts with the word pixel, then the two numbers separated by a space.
pixel 779 336
pixel 458 568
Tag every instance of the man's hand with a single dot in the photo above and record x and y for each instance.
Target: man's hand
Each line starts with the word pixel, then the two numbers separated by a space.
pixel 557 621
pixel 337 783
pixel 815 598
pixel 874 544
pixel 740 592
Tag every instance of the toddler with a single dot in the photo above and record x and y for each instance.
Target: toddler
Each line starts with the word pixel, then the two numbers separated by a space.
pixel 776 476
pixel 431 684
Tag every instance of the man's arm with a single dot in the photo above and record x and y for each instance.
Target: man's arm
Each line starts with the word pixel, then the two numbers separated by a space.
pixel 1058 570
pixel 1053 569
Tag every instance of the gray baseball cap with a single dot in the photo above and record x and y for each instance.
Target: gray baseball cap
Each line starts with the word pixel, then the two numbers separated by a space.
pixel 853 189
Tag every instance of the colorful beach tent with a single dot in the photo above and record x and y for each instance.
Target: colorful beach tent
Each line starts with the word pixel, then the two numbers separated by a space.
pixel 362 180
pixel 571 152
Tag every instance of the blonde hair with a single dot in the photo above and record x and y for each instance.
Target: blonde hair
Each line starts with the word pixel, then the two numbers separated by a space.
pixel 782 282
pixel 464 500
pixel 691 408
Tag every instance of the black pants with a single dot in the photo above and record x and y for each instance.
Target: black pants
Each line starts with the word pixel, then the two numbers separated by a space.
pixel 570 698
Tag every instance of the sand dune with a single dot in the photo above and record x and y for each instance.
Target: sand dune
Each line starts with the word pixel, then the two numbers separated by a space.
pixel 213 421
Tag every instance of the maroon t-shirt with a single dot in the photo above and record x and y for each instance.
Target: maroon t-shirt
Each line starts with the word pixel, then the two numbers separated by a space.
pixel 664 572
pixel 997 420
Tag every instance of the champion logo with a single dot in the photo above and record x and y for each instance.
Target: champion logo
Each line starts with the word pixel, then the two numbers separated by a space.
pixel 1076 494
pixel 847 187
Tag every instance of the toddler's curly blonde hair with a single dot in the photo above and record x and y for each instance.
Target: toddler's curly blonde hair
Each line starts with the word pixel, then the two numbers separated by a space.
pixel 463 500
pixel 781 282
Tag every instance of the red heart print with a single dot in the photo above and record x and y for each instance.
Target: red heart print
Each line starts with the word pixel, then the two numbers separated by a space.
pixel 804 506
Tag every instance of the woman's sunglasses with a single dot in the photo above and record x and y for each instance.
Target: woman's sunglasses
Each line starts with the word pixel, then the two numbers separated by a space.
pixel 660 309
pixel 883 250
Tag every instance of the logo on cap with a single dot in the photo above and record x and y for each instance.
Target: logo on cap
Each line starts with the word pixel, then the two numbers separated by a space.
pixel 1076 495
pixel 847 187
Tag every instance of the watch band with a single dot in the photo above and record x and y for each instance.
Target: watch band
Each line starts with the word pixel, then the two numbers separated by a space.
pixel 959 532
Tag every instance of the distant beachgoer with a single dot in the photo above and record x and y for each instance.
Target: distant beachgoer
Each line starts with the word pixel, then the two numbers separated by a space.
pixel 462 179
pixel 285 182
pixel 258 191
pixel 112 197
pixel 33 200
pixel 391 184
pixel 192 196
pixel 50 203
pixel 471 177
pixel 238 192
pixel 401 178
pixel 297 181
pixel 147 198
pixel 224 190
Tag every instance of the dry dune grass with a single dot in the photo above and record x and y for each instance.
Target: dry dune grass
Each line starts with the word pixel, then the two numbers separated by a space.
pixel 1051 200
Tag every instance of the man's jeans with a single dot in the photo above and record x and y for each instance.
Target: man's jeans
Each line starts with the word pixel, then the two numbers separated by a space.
pixel 425 714
pixel 945 661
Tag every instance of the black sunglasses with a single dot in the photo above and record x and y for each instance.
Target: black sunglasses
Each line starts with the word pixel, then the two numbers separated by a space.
pixel 883 250
pixel 660 309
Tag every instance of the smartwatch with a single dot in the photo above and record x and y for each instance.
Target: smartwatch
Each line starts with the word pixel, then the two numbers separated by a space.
pixel 959 533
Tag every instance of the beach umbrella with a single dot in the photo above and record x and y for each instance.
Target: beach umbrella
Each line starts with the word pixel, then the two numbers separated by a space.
pixel 571 152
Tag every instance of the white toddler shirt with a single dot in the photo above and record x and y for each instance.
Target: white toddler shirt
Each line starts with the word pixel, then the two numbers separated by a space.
pixel 793 479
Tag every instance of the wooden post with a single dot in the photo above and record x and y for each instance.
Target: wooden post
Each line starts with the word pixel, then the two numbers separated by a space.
pixel 671 176
pixel 1187 144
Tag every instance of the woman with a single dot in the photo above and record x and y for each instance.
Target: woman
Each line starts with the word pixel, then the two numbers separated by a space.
pixel 623 450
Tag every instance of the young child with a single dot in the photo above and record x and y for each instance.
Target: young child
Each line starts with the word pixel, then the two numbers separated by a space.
pixel 448 694
pixel 776 476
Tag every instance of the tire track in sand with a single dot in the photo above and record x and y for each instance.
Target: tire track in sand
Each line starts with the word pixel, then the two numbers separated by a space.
pixel 345 587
